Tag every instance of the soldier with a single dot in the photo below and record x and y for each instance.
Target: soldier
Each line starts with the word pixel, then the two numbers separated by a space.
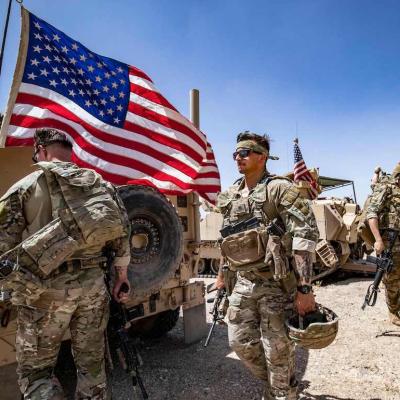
pixel 265 291
pixel 74 297
pixel 383 212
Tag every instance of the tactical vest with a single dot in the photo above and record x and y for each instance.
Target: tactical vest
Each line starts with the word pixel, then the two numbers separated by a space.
pixel 254 249
pixel 84 211
pixel 390 215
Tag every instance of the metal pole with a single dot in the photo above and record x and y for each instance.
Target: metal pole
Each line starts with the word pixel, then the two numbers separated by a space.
pixel 3 43
pixel 195 118
pixel 354 193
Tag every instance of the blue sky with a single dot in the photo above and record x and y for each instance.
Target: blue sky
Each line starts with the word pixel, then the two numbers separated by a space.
pixel 328 69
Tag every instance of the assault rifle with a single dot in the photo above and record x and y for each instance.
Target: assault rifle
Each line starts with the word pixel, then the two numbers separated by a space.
pixel 122 342
pixel 241 226
pixel 216 311
pixel 384 264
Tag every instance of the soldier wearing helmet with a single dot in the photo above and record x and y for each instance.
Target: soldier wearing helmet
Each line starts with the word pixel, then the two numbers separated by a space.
pixel 267 287
pixel 383 212
pixel 72 297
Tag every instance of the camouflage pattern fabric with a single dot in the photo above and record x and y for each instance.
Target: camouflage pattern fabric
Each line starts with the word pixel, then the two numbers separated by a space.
pixel 84 311
pixel 257 311
pixel 385 205
pixel 259 306
pixel 73 299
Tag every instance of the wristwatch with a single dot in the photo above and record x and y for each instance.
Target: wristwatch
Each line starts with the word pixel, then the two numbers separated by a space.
pixel 305 289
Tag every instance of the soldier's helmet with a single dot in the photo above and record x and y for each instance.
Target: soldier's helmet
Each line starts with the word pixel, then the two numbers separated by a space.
pixel 46 136
pixel 318 330
pixel 396 171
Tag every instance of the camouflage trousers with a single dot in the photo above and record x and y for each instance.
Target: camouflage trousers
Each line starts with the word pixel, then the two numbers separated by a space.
pixel 392 286
pixel 41 328
pixel 256 314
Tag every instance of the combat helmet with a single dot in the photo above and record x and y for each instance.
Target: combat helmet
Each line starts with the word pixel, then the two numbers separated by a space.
pixel 396 171
pixel 318 331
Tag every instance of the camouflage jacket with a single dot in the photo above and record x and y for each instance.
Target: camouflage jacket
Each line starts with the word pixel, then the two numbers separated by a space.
pixel 273 197
pixel 384 204
pixel 26 208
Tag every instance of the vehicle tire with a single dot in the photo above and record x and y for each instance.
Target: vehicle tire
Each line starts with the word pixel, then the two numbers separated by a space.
pixel 214 265
pixel 156 326
pixel 202 266
pixel 156 238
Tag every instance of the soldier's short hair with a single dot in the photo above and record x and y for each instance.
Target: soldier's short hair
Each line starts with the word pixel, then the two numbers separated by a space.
pixel 47 136
pixel 262 140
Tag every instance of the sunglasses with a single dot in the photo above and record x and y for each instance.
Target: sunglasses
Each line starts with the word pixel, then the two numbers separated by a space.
pixel 243 153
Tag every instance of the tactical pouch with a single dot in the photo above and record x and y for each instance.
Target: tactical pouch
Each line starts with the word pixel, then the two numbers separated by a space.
pixel 50 246
pixel 245 250
pixel 275 257
pixel 229 279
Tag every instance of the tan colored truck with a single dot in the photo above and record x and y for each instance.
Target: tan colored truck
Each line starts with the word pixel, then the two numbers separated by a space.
pixel 165 252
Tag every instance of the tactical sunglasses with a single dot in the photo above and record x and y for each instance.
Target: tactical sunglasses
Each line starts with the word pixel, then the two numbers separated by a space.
pixel 243 153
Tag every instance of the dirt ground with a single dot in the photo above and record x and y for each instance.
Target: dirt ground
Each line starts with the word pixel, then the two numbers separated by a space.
pixel 361 364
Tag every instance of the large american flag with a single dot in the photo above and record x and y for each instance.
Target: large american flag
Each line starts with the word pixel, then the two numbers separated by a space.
pixel 118 122
pixel 301 172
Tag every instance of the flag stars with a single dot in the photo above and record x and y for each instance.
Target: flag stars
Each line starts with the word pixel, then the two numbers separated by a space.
pixel 88 103
pixel 117 120
pixel 122 81
pixel 120 70
pixel 47 59
pixel 100 65
pixel 56 37
pixel 110 111
pixel 32 76
pixel 121 95
pixel 37 25
pixel 113 73
pixel 81 72
pixel 37 49
pixel 90 68
pixel 107 75
pixel 52 82
pixel 98 78
pixel 81 92
pixel 38 36
pixel 56 70
pixel 88 82
pixel 74 46
pixel 66 70
pixel 73 81
pixel 96 92
pixel 44 72
pixel 119 107
pixel 35 62
pixel 47 38
pixel 114 85
pixel 105 89
pixel 64 81
pixel 72 61
pixel 65 49
pixel 47 47
pixel 58 59
pixel 83 58
pixel 103 102
pixel 71 93
pixel 112 98
pixel 101 113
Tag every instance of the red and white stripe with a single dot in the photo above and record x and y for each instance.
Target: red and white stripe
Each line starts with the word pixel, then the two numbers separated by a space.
pixel 301 173
pixel 156 146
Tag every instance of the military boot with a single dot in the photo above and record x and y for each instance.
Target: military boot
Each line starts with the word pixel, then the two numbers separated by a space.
pixel 394 318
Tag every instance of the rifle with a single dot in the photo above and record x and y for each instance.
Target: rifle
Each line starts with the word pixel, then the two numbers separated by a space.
pixel 216 312
pixel 123 344
pixel 240 226
pixel 384 264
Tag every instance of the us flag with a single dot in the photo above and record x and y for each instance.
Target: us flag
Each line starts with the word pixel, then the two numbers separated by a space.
pixel 119 123
pixel 301 172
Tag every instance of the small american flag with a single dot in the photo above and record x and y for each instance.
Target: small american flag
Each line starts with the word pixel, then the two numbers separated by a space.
pixel 119 123
pixel 301 172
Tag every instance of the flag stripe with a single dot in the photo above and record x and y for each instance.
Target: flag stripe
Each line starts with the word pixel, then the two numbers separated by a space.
pixel 151 95
pixel 137 72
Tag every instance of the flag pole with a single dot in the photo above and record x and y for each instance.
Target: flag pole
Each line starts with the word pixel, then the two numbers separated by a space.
pixel 195 118
pixel 3 42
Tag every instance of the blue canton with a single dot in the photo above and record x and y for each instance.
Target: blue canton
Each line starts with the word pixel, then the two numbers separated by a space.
pixel 99 85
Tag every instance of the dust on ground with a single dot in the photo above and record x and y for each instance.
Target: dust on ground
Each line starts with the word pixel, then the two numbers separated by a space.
pixel 361 364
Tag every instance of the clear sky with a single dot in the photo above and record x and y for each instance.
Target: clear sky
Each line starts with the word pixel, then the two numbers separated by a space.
pixel 329 70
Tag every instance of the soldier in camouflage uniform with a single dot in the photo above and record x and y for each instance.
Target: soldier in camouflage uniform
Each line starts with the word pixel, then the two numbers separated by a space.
pixel 265 292
pixel 384 212
pixel 75 296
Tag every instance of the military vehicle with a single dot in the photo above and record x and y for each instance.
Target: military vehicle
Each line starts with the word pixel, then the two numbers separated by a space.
pixel 165 252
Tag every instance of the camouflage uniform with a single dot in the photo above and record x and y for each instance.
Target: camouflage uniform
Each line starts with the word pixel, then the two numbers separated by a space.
pixel 385 206
pixel 259 303
pixel 74 298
